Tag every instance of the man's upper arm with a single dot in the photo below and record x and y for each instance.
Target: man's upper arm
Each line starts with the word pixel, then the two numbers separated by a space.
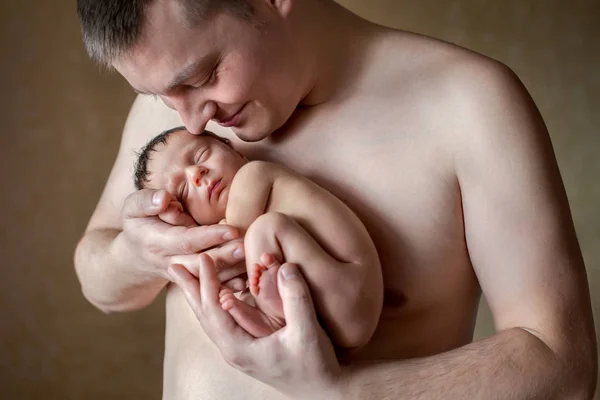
pixel 147 118
pixel 518 226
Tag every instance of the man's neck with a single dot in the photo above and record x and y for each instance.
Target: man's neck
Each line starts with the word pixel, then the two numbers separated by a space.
pixel 334 40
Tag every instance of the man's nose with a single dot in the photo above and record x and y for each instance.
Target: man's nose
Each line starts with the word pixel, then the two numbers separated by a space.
pixel 195 174
pixel 194 116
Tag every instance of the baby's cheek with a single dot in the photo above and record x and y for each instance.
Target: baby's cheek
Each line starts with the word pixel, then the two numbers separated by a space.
pixel 196 211
pixel 205 215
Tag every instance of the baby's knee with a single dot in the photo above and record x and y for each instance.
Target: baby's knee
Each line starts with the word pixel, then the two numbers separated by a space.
pixel 270 223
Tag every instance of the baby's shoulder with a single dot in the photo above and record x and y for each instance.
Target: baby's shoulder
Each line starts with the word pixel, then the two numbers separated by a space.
pixel 254 176
pixel 263 170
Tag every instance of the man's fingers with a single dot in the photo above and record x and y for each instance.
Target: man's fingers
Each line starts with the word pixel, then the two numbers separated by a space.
pixel 145 203
pixel 224 272
pixel 218 324
pixel 228 259
pixel 298 307
pixel 188 284
pixel 197 238
pixel 209 284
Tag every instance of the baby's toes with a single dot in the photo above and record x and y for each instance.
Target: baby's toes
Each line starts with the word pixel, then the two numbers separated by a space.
pixel 254 278
pixel 269 261
pixel 227 299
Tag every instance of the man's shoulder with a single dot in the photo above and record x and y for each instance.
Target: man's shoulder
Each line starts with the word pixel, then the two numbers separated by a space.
pixel 467 101
pixel 487 112
pixel 454 83
pixel 433 71
pixel 147 118
pixel 452 70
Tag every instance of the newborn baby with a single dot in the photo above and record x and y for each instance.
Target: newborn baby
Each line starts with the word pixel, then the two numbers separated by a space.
pixel 284 217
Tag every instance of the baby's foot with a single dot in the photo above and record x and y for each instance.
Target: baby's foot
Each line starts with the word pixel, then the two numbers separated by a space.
pixel 250 318
pixel 262 281
pixel 267 316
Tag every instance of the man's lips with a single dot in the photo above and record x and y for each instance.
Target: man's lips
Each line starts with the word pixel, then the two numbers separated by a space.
pixel 231 120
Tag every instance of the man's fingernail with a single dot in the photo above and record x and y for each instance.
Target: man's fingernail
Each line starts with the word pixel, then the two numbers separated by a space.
pixel 288 271
pixel 228 235
pixel 156 198
pixel 238 253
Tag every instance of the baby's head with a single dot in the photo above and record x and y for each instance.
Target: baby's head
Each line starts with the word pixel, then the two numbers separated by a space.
pixel 196 170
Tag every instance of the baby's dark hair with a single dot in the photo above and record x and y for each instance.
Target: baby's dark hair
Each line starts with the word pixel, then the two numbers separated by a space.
pixel 141 175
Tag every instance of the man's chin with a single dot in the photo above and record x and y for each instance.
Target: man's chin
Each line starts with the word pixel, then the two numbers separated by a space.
pixel 250 135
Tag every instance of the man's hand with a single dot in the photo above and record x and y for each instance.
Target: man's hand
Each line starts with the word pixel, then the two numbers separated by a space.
pixel 157 232
pixel 298 360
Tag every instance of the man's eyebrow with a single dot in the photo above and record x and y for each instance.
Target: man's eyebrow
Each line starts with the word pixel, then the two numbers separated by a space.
pixel 187 72
pixel 182 76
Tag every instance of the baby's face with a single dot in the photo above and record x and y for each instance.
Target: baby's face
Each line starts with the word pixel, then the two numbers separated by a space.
pixel 198 171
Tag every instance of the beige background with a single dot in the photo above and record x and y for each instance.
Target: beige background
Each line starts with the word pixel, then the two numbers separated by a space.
pixel 61 120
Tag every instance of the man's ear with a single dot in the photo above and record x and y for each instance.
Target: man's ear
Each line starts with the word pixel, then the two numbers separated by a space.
pixel 282 7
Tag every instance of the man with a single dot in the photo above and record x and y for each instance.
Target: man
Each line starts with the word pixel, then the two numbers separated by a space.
pixel 440 151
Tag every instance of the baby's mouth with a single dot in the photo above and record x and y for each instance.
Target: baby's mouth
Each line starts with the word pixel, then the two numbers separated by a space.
pixel 212 188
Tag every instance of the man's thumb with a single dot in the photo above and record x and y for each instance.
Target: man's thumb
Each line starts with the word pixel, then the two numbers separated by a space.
pixel 145 203
pixel 295 296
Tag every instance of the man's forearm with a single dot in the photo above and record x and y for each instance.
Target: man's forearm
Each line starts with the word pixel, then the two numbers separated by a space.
pixel 512 364
pixel 107 280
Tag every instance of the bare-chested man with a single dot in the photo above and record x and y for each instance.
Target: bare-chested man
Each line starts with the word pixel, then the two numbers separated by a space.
pixel 441 153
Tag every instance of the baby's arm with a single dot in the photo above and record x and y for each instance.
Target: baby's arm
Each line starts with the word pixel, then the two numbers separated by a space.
pixel 248 195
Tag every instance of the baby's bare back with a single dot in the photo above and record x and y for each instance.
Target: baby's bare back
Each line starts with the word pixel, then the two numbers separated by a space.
pixel 297 221
pixel 261 187
pixel 325 217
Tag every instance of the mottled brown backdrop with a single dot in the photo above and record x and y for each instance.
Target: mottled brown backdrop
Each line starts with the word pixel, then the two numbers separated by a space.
pixel 61 120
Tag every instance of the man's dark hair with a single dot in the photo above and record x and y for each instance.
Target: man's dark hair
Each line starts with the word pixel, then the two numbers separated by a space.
pixel 141 175
pixel 111 27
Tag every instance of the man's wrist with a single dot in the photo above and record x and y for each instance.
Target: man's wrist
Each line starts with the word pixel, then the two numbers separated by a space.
pixel 335 389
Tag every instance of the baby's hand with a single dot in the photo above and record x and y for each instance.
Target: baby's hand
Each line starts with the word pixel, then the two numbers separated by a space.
pixel 176 215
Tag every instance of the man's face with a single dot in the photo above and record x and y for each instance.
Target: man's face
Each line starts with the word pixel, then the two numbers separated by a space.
pixel 198 171
pixel 224 69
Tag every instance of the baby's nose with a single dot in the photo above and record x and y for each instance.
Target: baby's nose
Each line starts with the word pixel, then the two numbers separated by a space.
pixel 195 174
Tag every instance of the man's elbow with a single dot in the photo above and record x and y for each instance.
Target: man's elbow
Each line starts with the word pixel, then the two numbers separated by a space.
pixel 108 304
pixel 114 304
pixel 110 307
pixel 80 262
pixel 105 308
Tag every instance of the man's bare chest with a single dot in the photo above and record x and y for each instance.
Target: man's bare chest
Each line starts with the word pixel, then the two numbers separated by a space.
pixel 409 203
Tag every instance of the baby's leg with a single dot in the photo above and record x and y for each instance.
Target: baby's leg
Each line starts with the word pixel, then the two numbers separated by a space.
pixel 283 238
pixel 262 280
pixel 253 320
